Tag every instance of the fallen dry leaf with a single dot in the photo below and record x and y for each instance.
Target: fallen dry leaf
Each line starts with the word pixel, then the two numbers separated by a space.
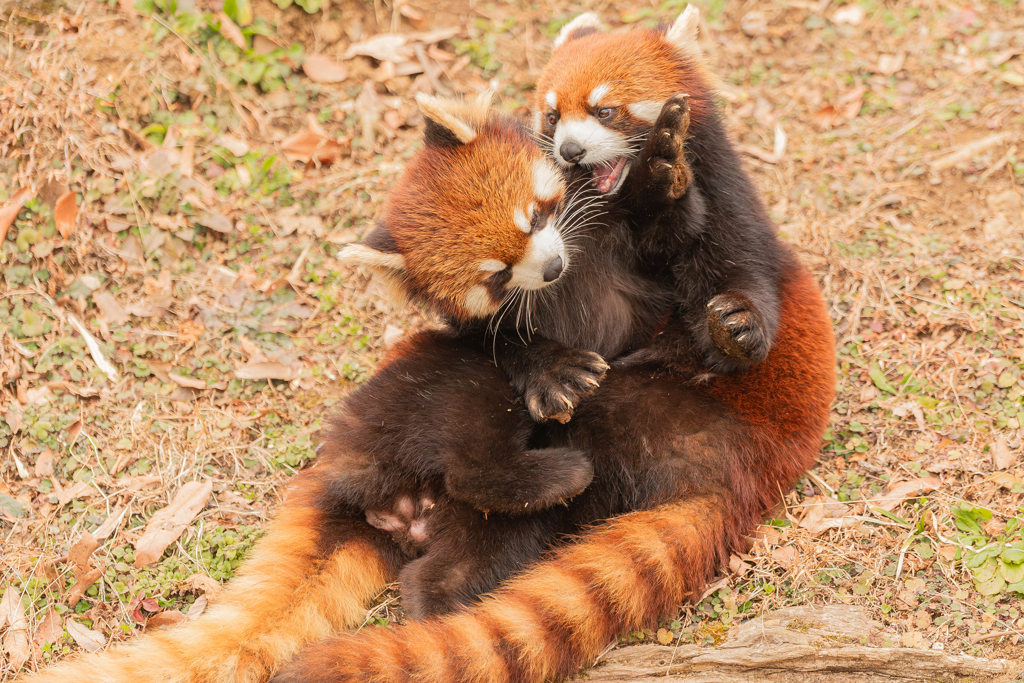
pixel 110 310
pixel 159 290
pixel 9 211
pixel 168 524
pixel 198 607
pixel 664 636
pixel 786 556
pixel 50 629
pixel 903 490
pixel 267 370
pixel 12 615
pixel 44 463
pixel 65 214
pixel 215 221
pixel 84 582
pixel 165 222
pixel 823 514
pixel 1002 458
pixel 110 524
pixel 185 381
pixel 164 619
pixel 397 47
pixel 82 551
pixel 1005 480
pixel 313 144
pixel 737 566
pixel 65 495
pixel 203 584
pixel 87 639
pixel 85 574
pixel 230 30
pixel 321 69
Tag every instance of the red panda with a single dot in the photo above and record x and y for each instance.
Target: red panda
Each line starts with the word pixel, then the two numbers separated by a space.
pixel 687 460
pixel 606 96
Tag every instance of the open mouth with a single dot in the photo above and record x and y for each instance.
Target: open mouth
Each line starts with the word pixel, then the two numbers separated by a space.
pixel 608 177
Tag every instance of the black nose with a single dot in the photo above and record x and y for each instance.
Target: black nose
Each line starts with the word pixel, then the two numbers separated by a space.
pixel 553 270
pixel 572 152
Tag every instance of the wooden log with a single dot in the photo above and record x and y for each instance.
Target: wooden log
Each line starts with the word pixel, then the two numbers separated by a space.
pixel 788 644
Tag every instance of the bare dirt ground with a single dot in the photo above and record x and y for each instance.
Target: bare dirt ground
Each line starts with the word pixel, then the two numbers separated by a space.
pixel 174 189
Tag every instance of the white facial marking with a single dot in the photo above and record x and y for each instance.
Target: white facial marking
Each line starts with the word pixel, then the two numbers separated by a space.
pixel 602 144
pixel 648 110
pixel 545 245
pixel 521 221
pixel 552 99
pixel 547 181
pixel 478 302
pixel 597 94
pixel 491 266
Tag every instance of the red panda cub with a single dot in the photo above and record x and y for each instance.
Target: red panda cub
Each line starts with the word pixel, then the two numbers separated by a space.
pixel 605 97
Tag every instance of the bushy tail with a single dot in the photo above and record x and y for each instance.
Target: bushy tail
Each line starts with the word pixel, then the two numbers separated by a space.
pixel 551 620
pixel 289 594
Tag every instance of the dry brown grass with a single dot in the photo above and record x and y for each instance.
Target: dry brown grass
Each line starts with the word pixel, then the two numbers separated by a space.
pixel 922 263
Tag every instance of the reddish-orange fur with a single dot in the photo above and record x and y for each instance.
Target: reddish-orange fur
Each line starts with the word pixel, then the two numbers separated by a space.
pixel 639 65
pixel 625 574
pixel 288 594
pixel 439 188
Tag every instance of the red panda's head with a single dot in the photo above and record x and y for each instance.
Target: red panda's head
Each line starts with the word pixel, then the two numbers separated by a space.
pixel 601 92
pixel 473 220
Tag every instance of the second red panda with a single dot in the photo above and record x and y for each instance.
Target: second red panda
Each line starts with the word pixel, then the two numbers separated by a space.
pixel 633 113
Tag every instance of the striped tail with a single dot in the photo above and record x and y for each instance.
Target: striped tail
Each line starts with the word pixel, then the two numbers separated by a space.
pixel 551 620
pixel 289 594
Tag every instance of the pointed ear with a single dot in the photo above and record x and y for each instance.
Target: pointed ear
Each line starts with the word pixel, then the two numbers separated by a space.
pixel 379 253
pixel 683 32
pixel 583 25
pixel 452 122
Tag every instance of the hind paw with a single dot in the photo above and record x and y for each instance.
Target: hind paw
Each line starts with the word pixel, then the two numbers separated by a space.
pixel 406 521
pixel 567 378
pixel 736 328
pixel 664 153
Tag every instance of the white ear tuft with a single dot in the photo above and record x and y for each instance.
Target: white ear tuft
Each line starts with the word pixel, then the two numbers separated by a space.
pixel 362 255
pixel 586 20
pixel 449 114
pixel 683 32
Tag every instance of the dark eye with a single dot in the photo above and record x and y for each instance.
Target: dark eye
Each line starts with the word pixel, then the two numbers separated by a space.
pixel 500 279
pixel 552 118
pixel 535 221
pixel 605 112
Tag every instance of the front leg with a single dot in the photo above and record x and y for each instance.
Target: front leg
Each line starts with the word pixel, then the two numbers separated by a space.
pixel 551 378
pixel 661 174
pixel 739 330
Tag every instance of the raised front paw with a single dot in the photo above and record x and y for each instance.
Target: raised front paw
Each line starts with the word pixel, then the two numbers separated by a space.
pixel 737 329
pixel 568 376
pixel 664 153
